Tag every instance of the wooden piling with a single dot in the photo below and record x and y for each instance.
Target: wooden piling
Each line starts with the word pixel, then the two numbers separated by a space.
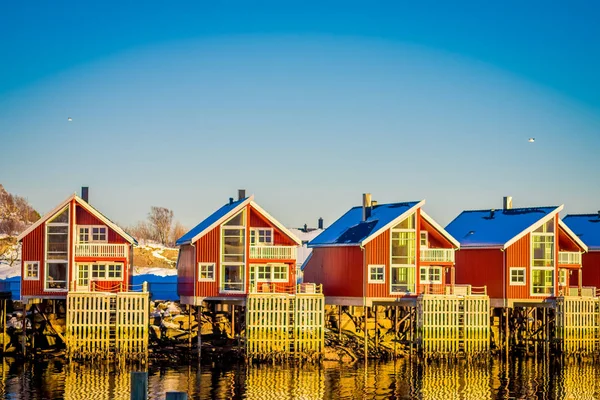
pixel 139 386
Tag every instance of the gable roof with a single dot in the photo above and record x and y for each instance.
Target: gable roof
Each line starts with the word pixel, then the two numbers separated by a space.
pixel 351 230
pixel 572 235
pixel 586 227
pixel 478 228
pixel 225 212
pixel 86 206
pixel 441 230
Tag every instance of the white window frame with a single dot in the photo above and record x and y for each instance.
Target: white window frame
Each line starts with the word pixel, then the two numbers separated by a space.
pixel 224 263
pixel 378 266
pixel 222 278
pixel 424 235
pixel 69 250
pixel 104 271
pixel 531 281
pixel 428 270
pixel 255 235
pixel 409 266
pixel 90 233
pixel 517 269
pixel 206 266
pixel 563 277
pixel 26 265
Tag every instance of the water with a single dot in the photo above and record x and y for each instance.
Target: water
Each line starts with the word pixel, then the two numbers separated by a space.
pixel 402 379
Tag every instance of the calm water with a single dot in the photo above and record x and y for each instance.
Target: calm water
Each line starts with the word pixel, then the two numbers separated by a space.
pixel 522 379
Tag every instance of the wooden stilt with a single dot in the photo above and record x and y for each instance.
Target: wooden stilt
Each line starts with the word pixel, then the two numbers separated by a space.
pixel 189 309
pixel 4 326
pixel 395 330
pixel 376 308
pixel 23 344
pixel 365 309
pixel 199 314
pixel 233 320
pixel 506 330
pixel 340 323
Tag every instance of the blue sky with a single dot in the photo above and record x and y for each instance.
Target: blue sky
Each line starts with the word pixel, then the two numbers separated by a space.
pixel 305 105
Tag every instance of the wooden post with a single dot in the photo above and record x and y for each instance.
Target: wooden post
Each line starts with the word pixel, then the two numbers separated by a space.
pixel 233 320
pixel 4 327
pixel 506 330
pixel 139 386
pixel 340 323
pixel 395 330
pixel 24 343
pixel 366 333
pixel 376 308
pixel 189 309
pixel 176 396
pixel 199 314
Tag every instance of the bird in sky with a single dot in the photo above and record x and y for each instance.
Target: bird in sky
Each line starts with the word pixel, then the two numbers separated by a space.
pixel 531 139
pixel 69 119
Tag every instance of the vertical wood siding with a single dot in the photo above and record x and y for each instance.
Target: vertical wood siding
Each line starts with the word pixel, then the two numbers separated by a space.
pixel 481 267
pixel 207 250
pixel 338 269
pixel 185 270
pixel 33 250
pixel 378 252
pixel 591 269
pixel 83 217
pixel 258 221
pixel 518 255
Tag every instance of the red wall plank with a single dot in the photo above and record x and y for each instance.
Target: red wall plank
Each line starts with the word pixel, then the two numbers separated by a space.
pixel 481 267
pixel 338 269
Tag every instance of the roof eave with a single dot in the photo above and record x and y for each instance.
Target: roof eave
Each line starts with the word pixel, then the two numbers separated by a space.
pixel 314 246
pixel 441 230
pixel 534 226
pixel 46 216
pixel 573 236
pixel 222 219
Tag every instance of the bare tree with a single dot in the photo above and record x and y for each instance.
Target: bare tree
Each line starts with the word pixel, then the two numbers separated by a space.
pixel 161 219
pixel 178 231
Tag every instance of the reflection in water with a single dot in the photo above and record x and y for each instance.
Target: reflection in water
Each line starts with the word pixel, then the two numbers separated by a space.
pixel 401 379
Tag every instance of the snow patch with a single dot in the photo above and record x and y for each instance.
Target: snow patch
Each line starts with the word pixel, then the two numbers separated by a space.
pixel 154 271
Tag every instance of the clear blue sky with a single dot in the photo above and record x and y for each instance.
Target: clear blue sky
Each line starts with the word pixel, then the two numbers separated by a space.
pixel 179 104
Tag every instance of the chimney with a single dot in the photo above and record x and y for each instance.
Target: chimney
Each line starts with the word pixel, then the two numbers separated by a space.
pixel 305 228
pixel 373 203
pixel 321 222
pixel 492 211
pixel 507 203
pixel 85 193
pixel 231 200
pixel 366 206
pixel 241 194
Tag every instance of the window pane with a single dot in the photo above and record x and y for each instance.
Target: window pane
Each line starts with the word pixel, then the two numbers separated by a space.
pixel 233 277
pixel 62 218
pixel 238 220
pixel 408 223
pixel 403 279
pixel 56 275
pixel 403 248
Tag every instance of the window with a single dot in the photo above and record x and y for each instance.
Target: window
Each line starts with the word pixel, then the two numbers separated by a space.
pixel 104 271
pixel 424 239
pixel 542 259
pixel 233 253
pixel 99 234
pixel 206 272
pixel 542 281
pixel 92 233
pixel 32 270
pixel 517 276
pixel 57 251
pixel 403 256
pixel 376 273
pixel 114 271
pixel 261 237
pixel 269 273
pixel 98 271
pixel 431 275
pixel 562 277
pixel 84 234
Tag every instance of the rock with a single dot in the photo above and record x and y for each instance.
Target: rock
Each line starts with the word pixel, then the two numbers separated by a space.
pixel 330 354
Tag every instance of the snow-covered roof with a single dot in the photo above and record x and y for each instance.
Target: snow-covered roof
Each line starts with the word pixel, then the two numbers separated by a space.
pixel 586 227
pixel 497 228
pixel 351 230
pixel 86 206
pixel 222 214
pixel 305 236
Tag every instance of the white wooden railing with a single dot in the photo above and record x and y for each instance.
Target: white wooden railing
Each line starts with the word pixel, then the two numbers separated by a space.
pixel 273 252
pixel 437 255
pixel 100 250
pixel 569 257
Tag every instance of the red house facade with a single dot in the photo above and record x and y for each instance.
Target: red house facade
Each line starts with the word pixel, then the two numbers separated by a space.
pixel 522 255
pixel 587 228
pixel 239 249
pixel 74 248
pixel 382 253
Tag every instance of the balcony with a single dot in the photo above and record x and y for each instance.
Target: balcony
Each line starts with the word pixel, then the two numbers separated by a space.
pixel 273 252
pixel 101 250
pixel 569 258
pixel 437 255
pixel 459 290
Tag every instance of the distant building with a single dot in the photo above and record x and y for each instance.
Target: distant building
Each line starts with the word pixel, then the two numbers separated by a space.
pixel 305 235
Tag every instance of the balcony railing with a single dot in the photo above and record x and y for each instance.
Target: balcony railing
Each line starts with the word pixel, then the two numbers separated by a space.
pixel 100 250
pixel 437 255
pixel 569 257
pixel 459 290
pixel 273 252
pixel 271 287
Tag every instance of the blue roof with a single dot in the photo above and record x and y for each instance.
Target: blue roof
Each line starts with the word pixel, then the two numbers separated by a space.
pixel 202 226
pixel 479 229
pixel 350 229
pixel 586 227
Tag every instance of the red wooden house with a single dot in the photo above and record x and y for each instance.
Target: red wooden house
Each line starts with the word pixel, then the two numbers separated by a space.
pixel 239 249
pixel 522 255
pixel 74 248
pixel 587 228
pixel 382 253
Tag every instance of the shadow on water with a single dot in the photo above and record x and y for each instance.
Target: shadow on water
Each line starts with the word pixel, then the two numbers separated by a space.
pixel 401 379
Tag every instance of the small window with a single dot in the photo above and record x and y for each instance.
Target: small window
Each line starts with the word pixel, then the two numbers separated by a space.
pixel 98 271
pixel 261 237
pixel 280 272
pixel 562 277
pixel 32 270
pixel 84 234
pixel 115 271
pixel 376 273
pixel 99 234
pixel 424 238
pixel 431 275
pixel 517 276
pixel 206 272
